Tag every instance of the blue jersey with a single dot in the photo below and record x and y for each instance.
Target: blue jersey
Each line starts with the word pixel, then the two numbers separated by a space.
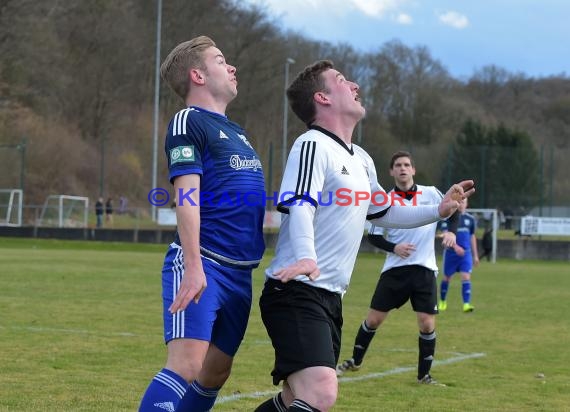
pixel 466 227
pixel 209 144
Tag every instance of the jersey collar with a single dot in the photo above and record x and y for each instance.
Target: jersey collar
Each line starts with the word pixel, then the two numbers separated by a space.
pixel 334 137
pixel 201 109
pixel 409 193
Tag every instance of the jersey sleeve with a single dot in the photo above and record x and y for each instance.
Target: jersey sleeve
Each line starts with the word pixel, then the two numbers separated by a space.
pixel 304 175
pixel 376 230
pixel 376 209
pixel 185 144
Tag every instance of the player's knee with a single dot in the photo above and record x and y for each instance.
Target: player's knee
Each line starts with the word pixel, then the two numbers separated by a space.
pixel 326 394
pixel 189 369
pixel 320 391
pixel 373 322
pixel 325 400
pixel 375 319
pixel 426 322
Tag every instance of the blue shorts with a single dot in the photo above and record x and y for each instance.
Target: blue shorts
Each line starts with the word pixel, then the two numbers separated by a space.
pixel 223 311
pixel 453 263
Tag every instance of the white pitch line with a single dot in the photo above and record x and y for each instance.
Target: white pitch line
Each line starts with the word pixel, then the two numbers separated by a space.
pixel 395 371
pixel 238 396
pixel 410 368
pixel 39 329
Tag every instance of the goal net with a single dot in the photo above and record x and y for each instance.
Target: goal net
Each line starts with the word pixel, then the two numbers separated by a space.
pixel 11 207
pixel 487 219
pixel 65 211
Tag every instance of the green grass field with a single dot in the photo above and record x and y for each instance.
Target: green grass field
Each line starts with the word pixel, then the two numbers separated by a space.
pixel 81 330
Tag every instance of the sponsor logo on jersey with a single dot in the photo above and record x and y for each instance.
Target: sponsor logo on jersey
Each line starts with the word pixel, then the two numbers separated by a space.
pixel 182 154
pixel 223 135
pixel 238 162
pixel 344 171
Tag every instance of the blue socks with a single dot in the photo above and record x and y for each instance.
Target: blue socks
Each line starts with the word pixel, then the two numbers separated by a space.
pixel 466 291
pixel 198 398
pixel 164 392
pixel 443 289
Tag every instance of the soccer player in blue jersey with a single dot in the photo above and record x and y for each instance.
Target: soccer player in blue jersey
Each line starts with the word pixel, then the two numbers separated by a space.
pixel 206 277
pixel 460 258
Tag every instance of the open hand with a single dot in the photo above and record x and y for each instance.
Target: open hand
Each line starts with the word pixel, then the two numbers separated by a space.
pixel 404 250
pixel 454 195
pixel 307 267
pixel 448 239
pixel 192 286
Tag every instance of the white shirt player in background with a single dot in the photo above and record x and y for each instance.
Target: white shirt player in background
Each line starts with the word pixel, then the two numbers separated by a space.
pixel 409 272
pixel 318 242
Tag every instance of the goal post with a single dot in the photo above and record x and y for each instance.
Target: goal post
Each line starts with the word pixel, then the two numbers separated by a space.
pixel 65 211
pixel 489 216
pixel 11 204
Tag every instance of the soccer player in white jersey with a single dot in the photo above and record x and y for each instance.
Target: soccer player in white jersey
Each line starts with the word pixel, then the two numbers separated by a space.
pixel 206 276
pixel 409 272
pixel 327 189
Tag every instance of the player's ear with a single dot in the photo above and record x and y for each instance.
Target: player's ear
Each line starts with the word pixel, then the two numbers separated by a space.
pixel 196 76
pixel 321 98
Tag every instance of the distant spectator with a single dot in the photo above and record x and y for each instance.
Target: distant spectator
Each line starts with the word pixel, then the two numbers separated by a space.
pixel 508 219
pixel 99 212
pixel 487 244
pixel 502 219
pixel 123 202
pixel 109 211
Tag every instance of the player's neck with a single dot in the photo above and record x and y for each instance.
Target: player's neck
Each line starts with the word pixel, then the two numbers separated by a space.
pixel 207 102
pixel 333 125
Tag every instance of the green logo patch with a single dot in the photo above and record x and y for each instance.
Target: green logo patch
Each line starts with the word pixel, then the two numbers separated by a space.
pixel 182 154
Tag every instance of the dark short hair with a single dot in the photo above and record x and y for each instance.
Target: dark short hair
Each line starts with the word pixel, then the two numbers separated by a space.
pixel 303 88
pixel 401 153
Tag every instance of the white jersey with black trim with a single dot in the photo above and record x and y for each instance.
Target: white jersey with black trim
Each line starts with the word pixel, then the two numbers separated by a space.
pixel 421 237
pixel 337 180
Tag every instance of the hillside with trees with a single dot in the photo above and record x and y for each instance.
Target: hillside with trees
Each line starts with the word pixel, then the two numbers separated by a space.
pixel 77 83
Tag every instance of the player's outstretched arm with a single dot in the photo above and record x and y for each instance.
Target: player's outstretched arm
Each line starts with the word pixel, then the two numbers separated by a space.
pixel 407 217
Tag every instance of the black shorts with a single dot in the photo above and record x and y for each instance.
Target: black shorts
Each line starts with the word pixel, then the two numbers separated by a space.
pixel 304 324
pixel 413 282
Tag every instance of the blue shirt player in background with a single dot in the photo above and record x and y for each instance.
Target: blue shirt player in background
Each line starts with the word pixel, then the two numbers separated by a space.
pixel 206 277
pixel 461 258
